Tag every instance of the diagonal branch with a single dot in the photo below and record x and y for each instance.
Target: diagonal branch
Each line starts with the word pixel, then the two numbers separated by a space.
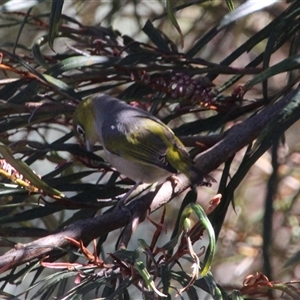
pixel 86 230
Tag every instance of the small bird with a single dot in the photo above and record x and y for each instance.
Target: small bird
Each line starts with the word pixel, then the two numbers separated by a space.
pixel 135 142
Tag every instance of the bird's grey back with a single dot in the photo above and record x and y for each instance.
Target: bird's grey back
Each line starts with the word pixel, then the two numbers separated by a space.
pixel 114 109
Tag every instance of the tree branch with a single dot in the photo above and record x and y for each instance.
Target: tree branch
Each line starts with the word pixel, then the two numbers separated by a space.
pixel 86 230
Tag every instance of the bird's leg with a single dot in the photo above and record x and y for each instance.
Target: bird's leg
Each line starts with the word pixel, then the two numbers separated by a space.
pixel 122 201
pixel 176 180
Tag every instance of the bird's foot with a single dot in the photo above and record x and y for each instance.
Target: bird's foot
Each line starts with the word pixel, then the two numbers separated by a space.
pixel 122 202
pixel 175 179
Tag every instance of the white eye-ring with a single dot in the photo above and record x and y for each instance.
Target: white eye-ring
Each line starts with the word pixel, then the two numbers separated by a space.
pixel 80 130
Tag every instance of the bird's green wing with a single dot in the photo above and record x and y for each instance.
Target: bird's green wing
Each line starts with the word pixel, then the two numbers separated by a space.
pixel 141 139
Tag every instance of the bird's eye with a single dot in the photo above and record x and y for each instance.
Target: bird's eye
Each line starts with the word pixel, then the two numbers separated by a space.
pixel 80 130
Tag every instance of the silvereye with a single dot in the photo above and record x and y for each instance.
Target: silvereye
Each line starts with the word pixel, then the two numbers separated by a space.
pixel 135 142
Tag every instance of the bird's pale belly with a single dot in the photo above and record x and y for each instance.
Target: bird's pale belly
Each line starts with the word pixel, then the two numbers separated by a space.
pixel 138 172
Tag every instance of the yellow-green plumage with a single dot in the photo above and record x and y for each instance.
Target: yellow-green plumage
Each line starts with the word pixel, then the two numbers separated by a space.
pixel 136 143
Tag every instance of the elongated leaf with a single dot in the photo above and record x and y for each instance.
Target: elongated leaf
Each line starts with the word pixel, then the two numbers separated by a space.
pixel 289 114
pixel 121 291
pixel 11 189
pixel 243 10
pixel 78 62
pixel 36 52
pixel 60 85
pixel 165 278
pixel 231 17
pixel 21 28
pixel 236 295
pixel 55 15
pixel 156 36
pixel 127 255
pixel 23 168
pixel 30 214
pixel 288 64
pixel 230 4
pixel 11 5
pixel 190 197
pixel 213 288
pixel 200 213
pixel 172 18
pixel 293 260
pixel 51 280
pixel 7 296
pixel 147 278
pixel 81 289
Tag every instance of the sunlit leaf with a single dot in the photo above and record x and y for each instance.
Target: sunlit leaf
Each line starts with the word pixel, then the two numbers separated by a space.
pixel 201 215
pixel 147 278
pixel 11 5
pixel 245 9
pixel 230 4
pixel 21 167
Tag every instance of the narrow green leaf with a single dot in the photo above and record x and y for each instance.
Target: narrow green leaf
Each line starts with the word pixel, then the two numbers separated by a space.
pixel 51 280
pixel 288 64
pixel 33 88
pixel 156 37
pixel 75 62
pixel 192 293
pixel 230 4
pixel 213 288
pixel 236 295
pixel 7 296
pixel 36 52
pixel 143 244
pixel 33 267
pixel 172 18
pixel 184 223
pixel 243 10
pixel 30 214
pixel 126 255
pixel 55 15
pixel 11 189
pixel 190 197
pixel 147 278
pixel 200 213
pixel 10 89
pixel 84 287
pixel 12 5
pixel 293 260
pixel 21 61
pixel 59 84
pixel 183 279
pixel 120 292
pixel 274 129
pixel 165 278
pixel 23 168
pixel 24 21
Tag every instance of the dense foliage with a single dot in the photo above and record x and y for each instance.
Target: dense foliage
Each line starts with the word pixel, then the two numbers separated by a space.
pixel 223 77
